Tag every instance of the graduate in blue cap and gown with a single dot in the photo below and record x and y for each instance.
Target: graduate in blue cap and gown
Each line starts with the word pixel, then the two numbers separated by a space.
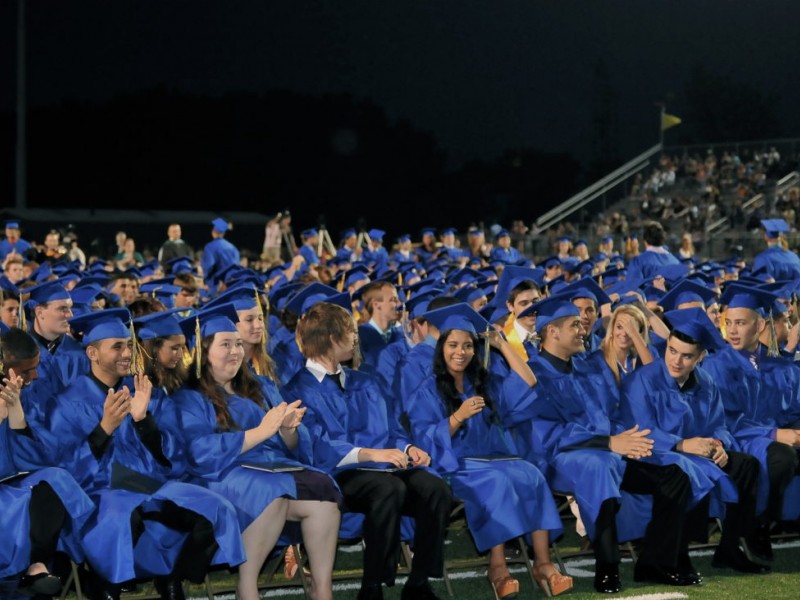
pixel 426 251
pixel 235 441
pixel 503 251
pixel 308 250
pixel 110 440
pixel 375 254
pixel 381 473
pixel 681 405
pixel 13 242
pixel 349 251
pixel 570 425
pixel 454 417
pixel 589 298
pixel 403 254
pixel 62 359
pixel 780 263
pixel 758 392
pixel 44 510
pixel 219 253
pixel 448 249
pixel 655 255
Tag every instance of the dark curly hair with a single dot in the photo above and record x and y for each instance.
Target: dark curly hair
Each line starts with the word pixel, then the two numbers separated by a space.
pixel 475 373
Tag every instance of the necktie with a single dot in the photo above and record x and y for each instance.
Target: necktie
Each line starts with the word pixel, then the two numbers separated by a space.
pixel 336 378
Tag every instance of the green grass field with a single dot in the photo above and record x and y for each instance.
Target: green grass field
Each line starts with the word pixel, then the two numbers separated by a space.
pixel 470 582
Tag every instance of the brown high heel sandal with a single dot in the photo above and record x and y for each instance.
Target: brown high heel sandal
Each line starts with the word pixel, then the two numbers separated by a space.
pixel 553 584
pixel 504 586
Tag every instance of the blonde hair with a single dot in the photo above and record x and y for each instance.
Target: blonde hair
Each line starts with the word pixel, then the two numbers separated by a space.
pixel 607 345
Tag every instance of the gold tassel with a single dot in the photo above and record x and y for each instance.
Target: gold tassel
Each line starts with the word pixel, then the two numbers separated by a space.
pixel 197 349
pixel 22 320
pixel 137 360
pixel 404 325
pixel 399 279
pixel 487 348
pixel 263 331
pixel 340 285
pixel 773 350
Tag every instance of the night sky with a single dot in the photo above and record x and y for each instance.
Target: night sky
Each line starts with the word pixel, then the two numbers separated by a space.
pixel 480 76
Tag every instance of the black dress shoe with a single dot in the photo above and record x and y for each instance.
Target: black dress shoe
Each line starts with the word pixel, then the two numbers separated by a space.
pixel 659 575
pixel 606 579
pixel 760 544
pixel 370 592
pixel 418 592
pixel 169 588
pixel 41 583
pixel 100 589
pixel 687 570
pixel 736 560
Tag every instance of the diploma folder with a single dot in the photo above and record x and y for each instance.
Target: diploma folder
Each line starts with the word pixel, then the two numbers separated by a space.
pixel 273 467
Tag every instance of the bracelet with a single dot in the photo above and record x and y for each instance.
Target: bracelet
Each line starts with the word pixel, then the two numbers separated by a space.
pixel 459 421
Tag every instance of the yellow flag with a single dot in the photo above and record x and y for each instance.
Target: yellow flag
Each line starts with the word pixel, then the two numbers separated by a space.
pixel 668 121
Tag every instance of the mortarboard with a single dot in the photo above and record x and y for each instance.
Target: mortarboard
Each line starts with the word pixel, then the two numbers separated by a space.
pixel 469 294
pixel 564 238
pixel 458 316
pixel 550 261
pixel 315 293
pixel 180 264
pixel 502 233
pixel 581 243
pixel 775 227
pixel 586 288
pixel 278 297
pixel 475 232
pixel 737 295
pixel 694 322
pixel 685 292
pixel 404 238
pixel 449 231
pixel 220 225
pixel 102 325
pixel 242 297
pixel 348 233
pixel 308 233
pixel 216 319
pixel 48 291
pixel 550 309
pixel 12 224
pixel 606 239
pixel 416 306
pixel 159 324
pixel 428 231
pixel 376 234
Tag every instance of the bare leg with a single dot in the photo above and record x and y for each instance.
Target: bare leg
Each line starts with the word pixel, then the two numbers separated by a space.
pixel 547 576
pixel 319 522
pixel 259 539
pixel 497 562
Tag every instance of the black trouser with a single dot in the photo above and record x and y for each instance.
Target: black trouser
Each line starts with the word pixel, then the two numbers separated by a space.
pixel 198 549
pixel 740 517
pixel 383 498
pixel 47 515
pixel 671 490
pixel 782 463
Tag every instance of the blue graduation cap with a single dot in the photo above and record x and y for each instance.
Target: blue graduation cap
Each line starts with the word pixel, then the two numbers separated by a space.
pixel 308 233
pixel 315 293
pixel 242 297
pixel 564 238
pixel 551 309
pixel 475 232
pixel 348 233
pixel 86 294
pixel 469 294
pixel 102 325
pixel 606 239
pixel 550 261
pixel 404 238
pixel 502 233
pixel 416 306
pixel 180 264
pixel 12 224
pixel 42 273
pixel 354 275
pixel 159 324
pixel 694 322
pixel 740 296
pixel 428 231
pixel 465 275
pixel 458 316
pixel 673 273
pixel 376 234
pixel 586 288
pixel 278 297
pixel 216 319
pixel 511 277
pixel 220 225
pixel 581 243
pixel 775 227
pixel 449 231
pixel 163 292
pixel 99 279
pixel 685 292
pixel 49 291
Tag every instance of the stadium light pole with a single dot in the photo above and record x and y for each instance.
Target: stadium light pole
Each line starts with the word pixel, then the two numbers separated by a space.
pixel 21 152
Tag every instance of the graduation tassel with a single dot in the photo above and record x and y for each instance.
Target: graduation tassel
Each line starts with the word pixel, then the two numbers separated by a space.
pixel 257 367
pixel 22 321
pixel 137 361
pixel 404 325
pixel 487 348
pixel 197 349
pixel 773 350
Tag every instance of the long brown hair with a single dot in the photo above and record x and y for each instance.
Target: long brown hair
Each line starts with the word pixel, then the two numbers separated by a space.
pixel 243 383
pixel 170 379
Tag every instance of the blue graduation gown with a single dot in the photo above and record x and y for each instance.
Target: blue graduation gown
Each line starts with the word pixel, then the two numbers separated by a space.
pixel 218 254
pixel 503 499
pixel 379 257
pixel 647 264
pixel 506 255
pixel 413 368
pixel 286 355
pixel 19 247
pixel 372 343
pixel 58 370
pixel 781 264
pixel 215 456
pixel 107 537
pixel 309 254
pixel 15 496
pixel 652 399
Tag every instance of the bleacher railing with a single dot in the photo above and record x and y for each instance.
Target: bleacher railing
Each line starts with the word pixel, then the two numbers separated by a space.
pixel 600 187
